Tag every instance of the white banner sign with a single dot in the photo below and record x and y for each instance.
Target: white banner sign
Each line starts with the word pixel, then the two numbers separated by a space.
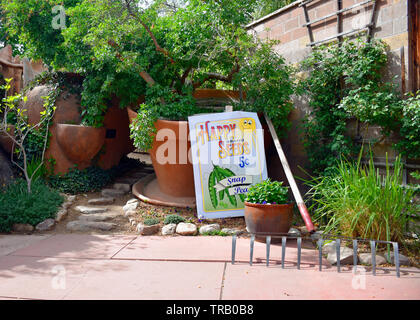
pixel 228 156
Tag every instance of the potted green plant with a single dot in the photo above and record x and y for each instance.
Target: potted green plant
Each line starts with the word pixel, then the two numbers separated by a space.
pixel 267 208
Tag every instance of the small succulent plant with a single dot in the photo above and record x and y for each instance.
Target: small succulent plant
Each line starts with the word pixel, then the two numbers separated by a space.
pixel 173 218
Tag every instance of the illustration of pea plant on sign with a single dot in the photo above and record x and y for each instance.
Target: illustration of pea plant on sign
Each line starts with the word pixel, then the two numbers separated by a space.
pixel 228 157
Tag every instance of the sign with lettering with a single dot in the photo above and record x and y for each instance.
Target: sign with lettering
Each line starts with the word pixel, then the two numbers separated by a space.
pixel 228 156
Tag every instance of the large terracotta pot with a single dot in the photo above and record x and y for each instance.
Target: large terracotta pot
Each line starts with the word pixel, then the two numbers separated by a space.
pixel 268 218
pixel 80 143
pixel 5 141
pixel 131 114
pixel 175 177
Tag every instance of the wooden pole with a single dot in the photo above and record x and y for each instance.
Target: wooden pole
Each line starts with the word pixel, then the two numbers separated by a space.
pixel 296 193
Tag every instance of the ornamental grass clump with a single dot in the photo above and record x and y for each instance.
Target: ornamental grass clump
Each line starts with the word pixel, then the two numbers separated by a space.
pixel 268 192
pixel 357 201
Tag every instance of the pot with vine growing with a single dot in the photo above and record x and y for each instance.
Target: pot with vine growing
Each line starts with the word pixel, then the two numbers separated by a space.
pixel 267 209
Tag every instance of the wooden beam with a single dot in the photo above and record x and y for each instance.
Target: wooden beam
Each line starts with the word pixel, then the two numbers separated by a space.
pixel 295 190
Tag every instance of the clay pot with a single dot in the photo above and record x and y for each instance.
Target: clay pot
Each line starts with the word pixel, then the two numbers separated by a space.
pixel 268 218
pixel 131 114
pixel 79 143
pixel 176 176
pixel 5 141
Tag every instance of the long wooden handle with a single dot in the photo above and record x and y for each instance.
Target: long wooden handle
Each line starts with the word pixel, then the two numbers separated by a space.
pixel 295 190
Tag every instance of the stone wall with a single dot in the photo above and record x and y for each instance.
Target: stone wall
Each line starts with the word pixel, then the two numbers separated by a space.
pixel 287 25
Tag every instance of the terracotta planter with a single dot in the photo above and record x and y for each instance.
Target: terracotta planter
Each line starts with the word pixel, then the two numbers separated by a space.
pixel 79 143
pixel 131 114
pixel 175 177
pixel 269 218
pixel 5 141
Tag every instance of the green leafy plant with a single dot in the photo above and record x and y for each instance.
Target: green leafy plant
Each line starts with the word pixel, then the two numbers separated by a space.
pixel 415 175
pixel 38 132
pixel 215 233
pixel 409 145
pixel 151 221
pixel 17 205
pixel 357 201
pixel 173 218
pixel 36 169
pixel 80 181
pixel 345 82
pixel 268 192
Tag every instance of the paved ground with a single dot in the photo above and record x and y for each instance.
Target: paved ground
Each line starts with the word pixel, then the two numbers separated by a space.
pixel 78 266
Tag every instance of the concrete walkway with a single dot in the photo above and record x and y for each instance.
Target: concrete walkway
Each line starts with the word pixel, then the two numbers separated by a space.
pixel 78 266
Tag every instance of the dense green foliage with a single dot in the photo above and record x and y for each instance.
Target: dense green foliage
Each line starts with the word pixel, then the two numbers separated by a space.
pixel 268 192
pixel 127 51
pixel 410 126
pixel 30 23
pixel 79 181
pixel 346 82
pixel 356 201
pixel 19 206
pixel 173 218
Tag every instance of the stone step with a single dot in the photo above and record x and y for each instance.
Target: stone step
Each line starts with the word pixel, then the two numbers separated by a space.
pixel 101 201
pixel 114 193
pixel 90 210
pixel 127 180
pixel 98 216
pixel 122 186
pixel 79 225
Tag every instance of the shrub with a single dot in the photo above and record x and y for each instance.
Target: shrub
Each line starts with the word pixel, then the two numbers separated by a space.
pixel 79 181
pixel 356 201
pixel 268 192
pixel 410 126
pixel 19 206
pixel 173 218
pixel 151 221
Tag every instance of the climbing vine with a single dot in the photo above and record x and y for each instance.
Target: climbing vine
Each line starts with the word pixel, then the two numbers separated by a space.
pixel 346 82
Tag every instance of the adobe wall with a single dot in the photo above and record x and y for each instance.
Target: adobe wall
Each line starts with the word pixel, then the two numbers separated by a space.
pixel 286 25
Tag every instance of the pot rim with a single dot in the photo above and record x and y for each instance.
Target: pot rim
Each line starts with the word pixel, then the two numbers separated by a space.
pixel 168 120
pixel 259 205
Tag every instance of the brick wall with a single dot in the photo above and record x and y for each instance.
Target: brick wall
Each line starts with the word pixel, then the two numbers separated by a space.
pixel 286 25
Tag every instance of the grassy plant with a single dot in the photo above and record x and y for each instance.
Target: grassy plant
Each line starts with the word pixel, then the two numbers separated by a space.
pixel 36 169
pixel 357 201
pixel 17 205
